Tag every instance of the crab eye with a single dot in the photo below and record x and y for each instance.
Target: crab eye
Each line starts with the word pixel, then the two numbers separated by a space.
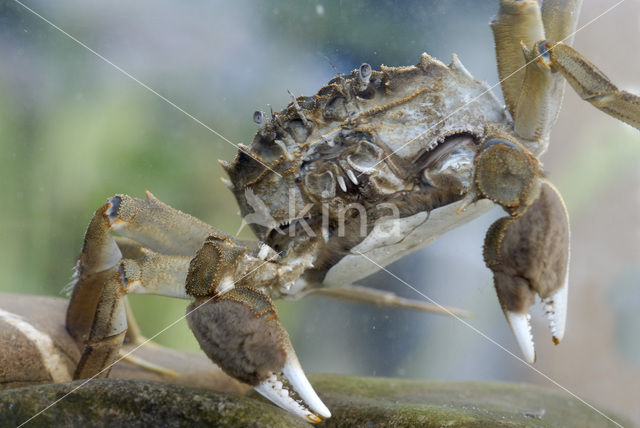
pixel 365 72
pixel 258 117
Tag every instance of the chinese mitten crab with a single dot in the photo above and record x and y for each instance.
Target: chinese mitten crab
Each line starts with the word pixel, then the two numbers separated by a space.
pixel 339 184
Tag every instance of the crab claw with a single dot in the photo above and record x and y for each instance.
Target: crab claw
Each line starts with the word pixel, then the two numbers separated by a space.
pixel 240 331
pixel 529 254
pixel 274 390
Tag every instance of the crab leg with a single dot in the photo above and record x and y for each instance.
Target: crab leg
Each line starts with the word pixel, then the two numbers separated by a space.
pixel 385 299
pixel 107 270
pixel 240 331
pixel 539 104
pixel 237 326
pixel 516 22
pixel 187 259
pixel 528 251
pixel 96 316
pixel 533 93
pixel 144 271
pixel 529 255
pixel 593 86
pixel 156 225
pixel 560 18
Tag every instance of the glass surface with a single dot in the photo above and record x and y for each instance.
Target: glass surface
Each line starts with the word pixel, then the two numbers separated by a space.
pixel 77 126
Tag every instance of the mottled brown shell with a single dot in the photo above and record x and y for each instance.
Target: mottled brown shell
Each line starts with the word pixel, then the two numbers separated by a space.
pixel 359 137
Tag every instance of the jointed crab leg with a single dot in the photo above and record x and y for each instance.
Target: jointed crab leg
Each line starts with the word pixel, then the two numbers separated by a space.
pixel 144 271
pixel 156 225
pixel 538 104
pixel 516 22
pixel 96 316
pixel 357 293
pixel 560 19
pixel 529 255
pixel 533 94
pixel 528 251
pixel 109 268
pixel 593 86
pixel 224 275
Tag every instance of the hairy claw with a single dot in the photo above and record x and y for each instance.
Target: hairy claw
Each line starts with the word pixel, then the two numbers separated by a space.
pixel 240 331
pixel 529 255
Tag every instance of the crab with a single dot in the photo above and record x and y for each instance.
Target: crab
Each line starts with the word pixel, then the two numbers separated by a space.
pixel 337 185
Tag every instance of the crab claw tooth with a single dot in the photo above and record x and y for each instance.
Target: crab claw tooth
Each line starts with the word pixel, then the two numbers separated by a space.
pixel 555 308
pixel 273 390
pixel 299 382
pixel 521 326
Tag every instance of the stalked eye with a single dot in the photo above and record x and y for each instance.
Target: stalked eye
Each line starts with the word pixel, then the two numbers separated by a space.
pixel 258 117
pixel 365 90
pixel 365 72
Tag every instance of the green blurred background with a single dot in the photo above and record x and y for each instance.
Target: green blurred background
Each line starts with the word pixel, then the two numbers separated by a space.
pixel 75 130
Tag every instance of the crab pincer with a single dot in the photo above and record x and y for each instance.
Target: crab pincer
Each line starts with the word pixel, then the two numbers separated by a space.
pixel 527 251
pixel 240 331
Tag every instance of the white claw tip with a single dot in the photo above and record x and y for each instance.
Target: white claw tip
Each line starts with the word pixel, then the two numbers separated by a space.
pixel 272 389
pixel 521 327
pixel 299 382
pixel 555 308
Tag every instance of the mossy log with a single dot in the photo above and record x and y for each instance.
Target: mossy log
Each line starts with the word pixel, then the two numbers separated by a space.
pixel 354 401
pixel 190 391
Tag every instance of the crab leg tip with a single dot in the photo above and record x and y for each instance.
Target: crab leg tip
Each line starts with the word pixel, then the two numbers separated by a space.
pixel 521 327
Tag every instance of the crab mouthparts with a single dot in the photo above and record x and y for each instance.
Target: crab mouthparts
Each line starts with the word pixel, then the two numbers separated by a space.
pixel 452 158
